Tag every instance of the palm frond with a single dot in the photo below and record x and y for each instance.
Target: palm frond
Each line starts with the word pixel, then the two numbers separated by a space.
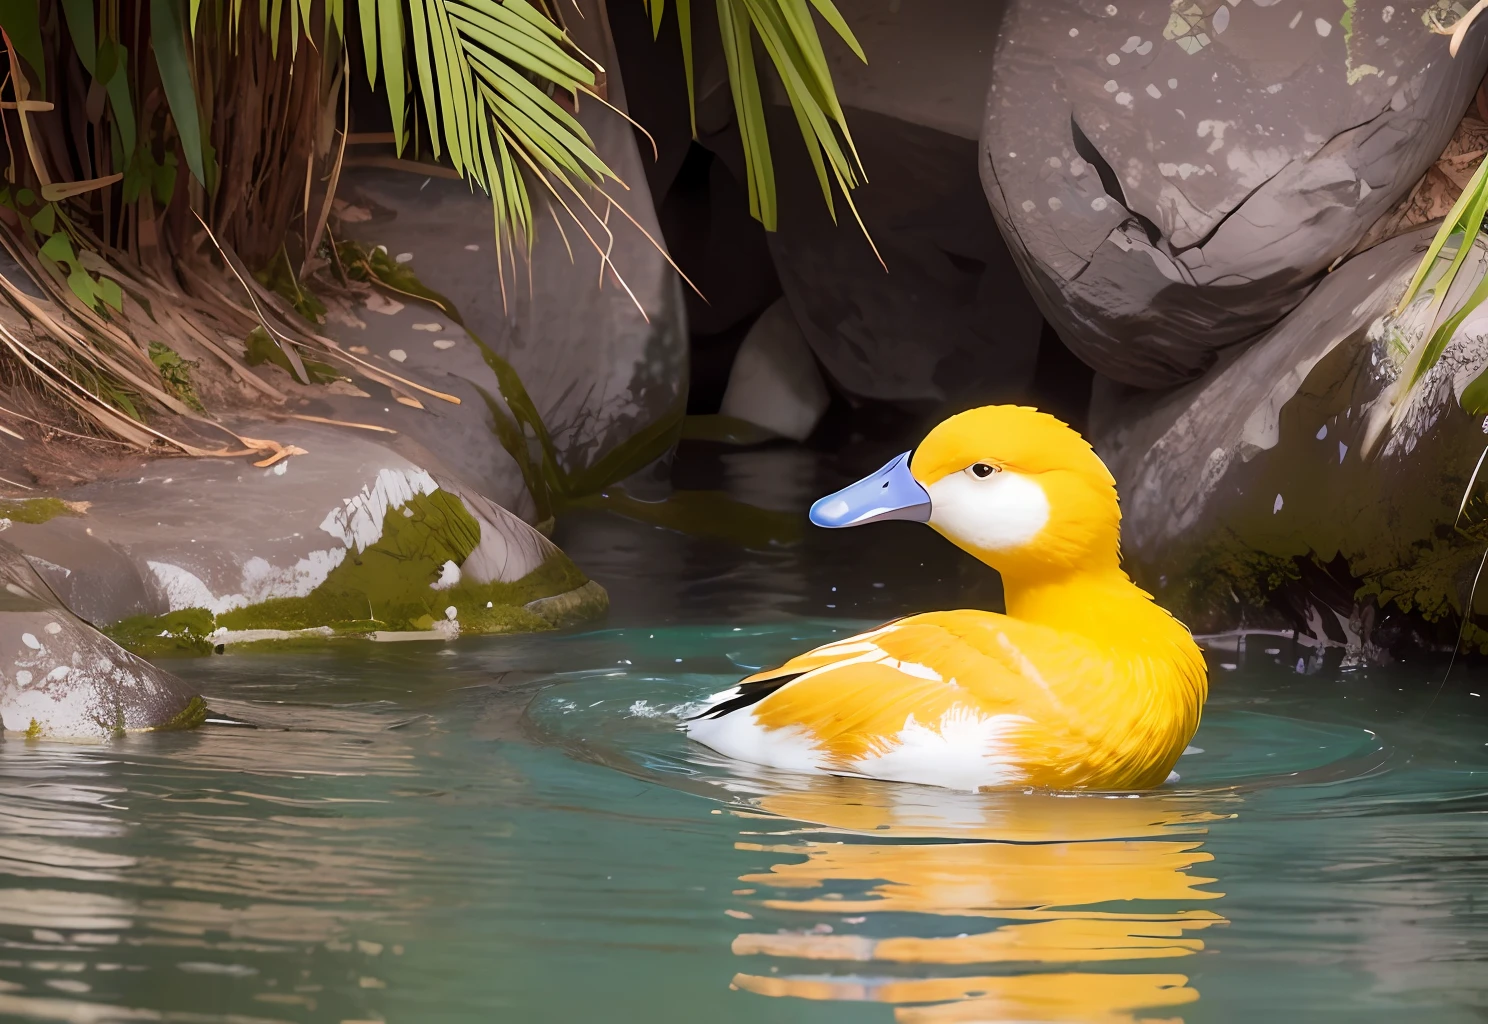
pixel 788 33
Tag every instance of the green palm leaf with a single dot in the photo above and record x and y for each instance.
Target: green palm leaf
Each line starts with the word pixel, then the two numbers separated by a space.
pixel 788 32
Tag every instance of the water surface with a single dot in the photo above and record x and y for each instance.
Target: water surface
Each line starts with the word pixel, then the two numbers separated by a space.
pixel 514 829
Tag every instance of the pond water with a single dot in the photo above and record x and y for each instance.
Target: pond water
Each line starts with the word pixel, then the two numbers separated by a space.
pixel 514 829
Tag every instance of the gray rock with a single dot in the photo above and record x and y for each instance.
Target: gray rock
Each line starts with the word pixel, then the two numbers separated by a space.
pixel 942 320
pixel 352 536
pixel 605 369
pixel 774 382
pixel 1301 485
pixel 1174 178
pixel 60 678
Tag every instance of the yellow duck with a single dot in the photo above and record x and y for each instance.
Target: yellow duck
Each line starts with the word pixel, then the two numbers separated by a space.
pixel 1085 683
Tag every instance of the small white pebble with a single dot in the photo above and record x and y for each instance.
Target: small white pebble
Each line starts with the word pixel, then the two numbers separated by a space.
pixel 1074 32
pixel 1323 27
pixel 444 343
pixel 1172 83
pixel 1154 91
pixel 1112 59
pixel 451 612
pixel 29 639
pixel 398 354
pixel 404 257
pixel 472 248
pixel 1111 86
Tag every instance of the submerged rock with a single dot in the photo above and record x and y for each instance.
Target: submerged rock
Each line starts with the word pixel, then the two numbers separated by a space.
pixel 354 537
pixel 1302 485
pixel 60 678
pixel 774 382
pixel 1174 177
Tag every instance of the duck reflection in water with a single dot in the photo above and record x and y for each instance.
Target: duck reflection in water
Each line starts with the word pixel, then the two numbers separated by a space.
pixel 959 907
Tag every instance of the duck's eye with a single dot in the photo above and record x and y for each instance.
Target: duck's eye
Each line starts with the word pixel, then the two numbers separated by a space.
pixel 983 470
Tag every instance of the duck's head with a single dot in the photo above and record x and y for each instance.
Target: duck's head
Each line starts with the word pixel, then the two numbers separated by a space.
pixel 1011 485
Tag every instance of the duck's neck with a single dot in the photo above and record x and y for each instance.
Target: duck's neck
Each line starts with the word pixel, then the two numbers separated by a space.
pixel 1098 601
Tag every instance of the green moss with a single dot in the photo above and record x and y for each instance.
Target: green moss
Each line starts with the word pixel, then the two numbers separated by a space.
pixel 33 731
pixel 36 510
pixel 175 373
pixel 387 586
pixel 189 717
pixel 152 636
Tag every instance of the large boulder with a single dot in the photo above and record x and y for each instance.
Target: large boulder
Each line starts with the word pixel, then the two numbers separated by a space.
pixel 60 678
pixel 1174 177
pixel 1301 485
pixel 600 366
pixel 942 320
pixel 353 537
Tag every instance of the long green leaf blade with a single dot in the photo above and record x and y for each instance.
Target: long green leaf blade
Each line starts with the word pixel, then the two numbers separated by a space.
pixel 21 20
pixel 367 9
pixel 168 35
pixel 82 24
pixel 418 31
pixel 390 38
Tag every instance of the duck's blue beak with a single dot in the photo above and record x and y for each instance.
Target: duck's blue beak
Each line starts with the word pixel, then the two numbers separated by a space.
pixel 891 493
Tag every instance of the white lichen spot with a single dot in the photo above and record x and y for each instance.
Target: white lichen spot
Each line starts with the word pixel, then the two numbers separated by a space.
pixel 451 612
pixel 1172 83
pixel 1112 59
pixel 23 678
pixel 1029 206
pixel 431 328
pixel 1111 10
pixel 472 247
pixel 1323 27
pixel 1055 162
pixel 1295 19
pixel 1215 130
pixel 1124 98
pixel 1276 505
pixel 1074 33
pixel 1132 42
pixel 29 639
pixel 1098 204
pixel 1111 85
pixel 1221 20
pixel 1154 91
pixel 1387 14
pixel 1055 203
pixel 444 343
pixel 398 354
pixel 1144 49
pixel 1274 88
pixel 53 628
pixel 1078 167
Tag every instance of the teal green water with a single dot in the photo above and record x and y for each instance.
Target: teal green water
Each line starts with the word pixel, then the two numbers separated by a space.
pixel 515 830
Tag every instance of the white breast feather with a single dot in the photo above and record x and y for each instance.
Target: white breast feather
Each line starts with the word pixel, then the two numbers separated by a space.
pixel 965 750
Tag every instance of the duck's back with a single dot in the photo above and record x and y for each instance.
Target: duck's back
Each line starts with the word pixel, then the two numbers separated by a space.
pixel 971 699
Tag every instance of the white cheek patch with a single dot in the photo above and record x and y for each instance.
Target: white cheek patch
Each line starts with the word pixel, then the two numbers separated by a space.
pixel 1002 512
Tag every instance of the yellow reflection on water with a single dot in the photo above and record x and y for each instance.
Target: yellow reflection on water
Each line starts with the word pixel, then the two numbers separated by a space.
pixel 1072 883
